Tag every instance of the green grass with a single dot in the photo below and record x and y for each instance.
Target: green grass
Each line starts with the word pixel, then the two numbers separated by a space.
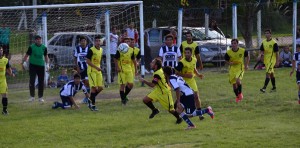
pixel 260 120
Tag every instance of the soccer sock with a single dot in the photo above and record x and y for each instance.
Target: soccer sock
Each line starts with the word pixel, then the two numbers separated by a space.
pixel 4 103
pixel 127 90
pixel 88 90
pixel 93 98
pixel 175 114
pixel 199 112
pixel 186 119
pixel 150 105
pixel 273 82
pixel 239 88
pixel 122 95
pixel 236 91
pixel 266 83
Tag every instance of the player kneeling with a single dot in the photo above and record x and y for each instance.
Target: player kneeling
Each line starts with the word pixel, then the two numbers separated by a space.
pixel 68 92
pixel 184 98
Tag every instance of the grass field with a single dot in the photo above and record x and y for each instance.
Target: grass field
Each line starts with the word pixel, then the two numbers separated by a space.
pixel 260 120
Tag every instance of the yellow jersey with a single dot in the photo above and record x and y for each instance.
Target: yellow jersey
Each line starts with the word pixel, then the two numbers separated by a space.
pixel 193 46
pixel 270 48
pixel 236 57
pixel 125 59
pixel 95 55
pixel 161 83
pixel 3 66
pixel 188 67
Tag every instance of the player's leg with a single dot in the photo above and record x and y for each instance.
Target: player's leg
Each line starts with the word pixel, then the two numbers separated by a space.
pixel 129 85
pixel 4 103
pixel 32 76
pixel 298 83
pixel 192 83
pixel 272 76
pixel 84 78
pixel 122 82
pixel 269 69
pixel 148 102
pixel 166 101
pixel 92 78
pixel 99 88
pixel 41 77
pixel 57 104
pixel 239 87
pixel 187 104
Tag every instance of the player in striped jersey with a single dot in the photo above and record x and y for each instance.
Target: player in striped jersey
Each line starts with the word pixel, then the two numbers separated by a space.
pixel 184 98
pixel 169 53
pixel 80 53
pixel 296 66
pixel 68 91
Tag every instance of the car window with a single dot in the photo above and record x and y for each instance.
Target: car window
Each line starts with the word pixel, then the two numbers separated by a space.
pixel 212 34
pixel 89 39
pixel 154 35
pixel 204 49
pixel 197 35
pixel 65 40
pixel 55 40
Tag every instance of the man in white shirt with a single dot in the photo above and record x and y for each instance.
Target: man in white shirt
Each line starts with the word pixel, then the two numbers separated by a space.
pixel 114 38
pixel 169 53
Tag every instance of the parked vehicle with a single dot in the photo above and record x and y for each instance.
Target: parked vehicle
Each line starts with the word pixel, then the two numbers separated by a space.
pixel 61 47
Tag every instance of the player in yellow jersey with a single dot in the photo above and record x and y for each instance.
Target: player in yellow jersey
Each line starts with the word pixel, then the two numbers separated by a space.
pixel 186 68
pixel 269 52
pixel 194 46
pixel 4 67
pixel 125 74
pixel 93 59
pixel 238 61
pixel 161 92
pixel 137 56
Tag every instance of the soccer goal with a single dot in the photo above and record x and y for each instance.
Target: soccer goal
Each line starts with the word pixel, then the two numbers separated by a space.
pixel 60 27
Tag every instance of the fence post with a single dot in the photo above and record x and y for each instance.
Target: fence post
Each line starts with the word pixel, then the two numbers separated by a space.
pixel 179 39
pixel 294 25
pixel 206 23
pixel 258 28
pixel 234 21
pixel 107 50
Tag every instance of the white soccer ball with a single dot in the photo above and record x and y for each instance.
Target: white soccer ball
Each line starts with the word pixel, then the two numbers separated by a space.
pixel 123 47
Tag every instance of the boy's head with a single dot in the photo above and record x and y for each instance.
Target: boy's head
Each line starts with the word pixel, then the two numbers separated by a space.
pixel 77 79
pixel 298 47
pixel 64 71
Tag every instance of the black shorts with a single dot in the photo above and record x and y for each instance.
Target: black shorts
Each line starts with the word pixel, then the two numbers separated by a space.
pixel 298 77
pixel 66 101
pixel 188 103
pixel 83 75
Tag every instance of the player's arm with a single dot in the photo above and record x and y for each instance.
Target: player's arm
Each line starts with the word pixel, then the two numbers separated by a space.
pixel 9 70
pixel 178 71
pixel 116 58
pixel 246 60
pixel 134 62
pixel 181 49
pixel 28 53
pixel 46 59
pixel 198 74
pixel 261 53
pixel 85 91
pixel 70 94
pixel 72 100
pixel 198 57
pixel 75 60
pixel 89 62
pixel 160 55
pixel 155 80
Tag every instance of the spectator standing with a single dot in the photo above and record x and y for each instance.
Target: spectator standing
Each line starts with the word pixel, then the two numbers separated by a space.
pixel 114 38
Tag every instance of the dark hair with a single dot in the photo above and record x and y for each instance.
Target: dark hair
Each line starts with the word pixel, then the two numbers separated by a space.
pixel 237 41
pixel 188 48
pixel 188 32
pixel 298 45
pixel 82 37
pixel 158 63
pixel 168 70
pixel 169 36
pixel 268 30
pixel 37 37
pixel 97 37
pixel 77 76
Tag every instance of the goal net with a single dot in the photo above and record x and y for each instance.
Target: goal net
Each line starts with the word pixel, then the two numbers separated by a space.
pixel 61 27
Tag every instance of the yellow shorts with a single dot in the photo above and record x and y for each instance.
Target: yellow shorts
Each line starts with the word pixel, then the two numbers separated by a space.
pixel 233 75
pixel 270 67
pixel 95 79
pixel 125 77
pixel 3 86
pixel 165 99
pixel 192 83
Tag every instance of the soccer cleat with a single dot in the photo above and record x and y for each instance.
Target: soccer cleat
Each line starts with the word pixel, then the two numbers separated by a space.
pixel 190 127
pixel 31 99
pixel 94 108
pixel 124 102
pixel 273 89
pixel 154 112
pixel 5 112
pixel 263 90
pixel 241 96
pixel 54 106
pixel 237 99
pixel 210 112
pixel 41 100
pixel 84 101
pixel 179 120
pixel 201 117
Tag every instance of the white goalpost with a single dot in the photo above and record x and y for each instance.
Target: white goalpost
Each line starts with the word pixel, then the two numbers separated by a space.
pixel 60 27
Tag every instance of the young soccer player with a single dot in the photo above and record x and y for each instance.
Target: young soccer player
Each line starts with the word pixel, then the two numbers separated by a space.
pixel 4 67
pixel 161 92
pixel 185 98
pixel 169 53
pixel 93 59
pixel 269 52
pixel 296 66
pixel 187 69
pixel 125 74
pixel 137 56
pixel 238 61
pixel 68 91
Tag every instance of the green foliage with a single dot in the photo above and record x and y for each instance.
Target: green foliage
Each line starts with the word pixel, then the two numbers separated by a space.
pixel 260 120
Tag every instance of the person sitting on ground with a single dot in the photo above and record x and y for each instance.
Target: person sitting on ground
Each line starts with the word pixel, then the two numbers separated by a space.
pixel 63 78
pixel 285 57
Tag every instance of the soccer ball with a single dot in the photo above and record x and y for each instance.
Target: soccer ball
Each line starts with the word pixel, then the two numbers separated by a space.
pixel 123 47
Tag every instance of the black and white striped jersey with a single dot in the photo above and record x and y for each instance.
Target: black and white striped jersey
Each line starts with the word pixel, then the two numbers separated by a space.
pixel 70 89
pixel 178 82
pixel 80 54
pixel 169 55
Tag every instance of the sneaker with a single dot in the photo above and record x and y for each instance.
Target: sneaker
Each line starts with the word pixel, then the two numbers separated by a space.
pixel 241 96
pixel 237 99
pixel 94 108
pixel 84 101
pixel 210 112
pixel 5 112
pixel 90 106
pixel 154 112
pixel 54 106
pixel 41 100
pixel 124 102
pixel 190 127
pixel 179 120
pixel 201 117
pixel 31 99
pixel 273 89
pixel 263 90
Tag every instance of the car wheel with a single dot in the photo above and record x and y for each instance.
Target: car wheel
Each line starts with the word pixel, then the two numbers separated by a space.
pixel 52 62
